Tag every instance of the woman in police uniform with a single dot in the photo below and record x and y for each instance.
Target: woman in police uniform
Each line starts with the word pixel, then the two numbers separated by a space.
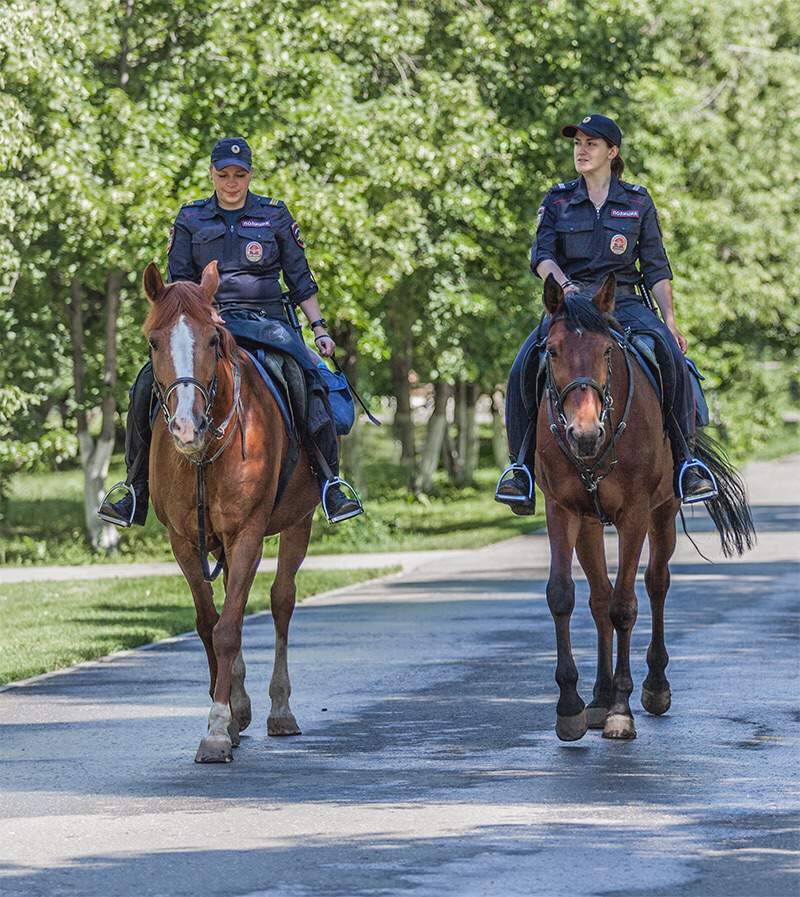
pixel 254 240
pixel 586 229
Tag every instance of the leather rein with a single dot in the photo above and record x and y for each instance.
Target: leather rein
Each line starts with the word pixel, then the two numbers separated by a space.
pixel 591 475
pixel 235 414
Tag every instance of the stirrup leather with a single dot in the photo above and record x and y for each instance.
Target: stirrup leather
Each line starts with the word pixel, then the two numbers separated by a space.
pixel 703 496
pixel 338 481
pixel 507 474
pixel 105 499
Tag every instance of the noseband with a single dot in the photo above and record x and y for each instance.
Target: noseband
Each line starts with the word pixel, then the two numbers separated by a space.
pixel 208 395
pixel 591 476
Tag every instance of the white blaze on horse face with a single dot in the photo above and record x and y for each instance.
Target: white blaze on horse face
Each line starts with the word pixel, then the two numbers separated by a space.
pixel 181 343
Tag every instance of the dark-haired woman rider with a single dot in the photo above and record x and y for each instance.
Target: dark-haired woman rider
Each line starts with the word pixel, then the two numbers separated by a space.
pixel 588 228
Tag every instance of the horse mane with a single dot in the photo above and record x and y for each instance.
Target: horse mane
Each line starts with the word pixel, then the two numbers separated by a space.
pixel 579 313
pixel 186 298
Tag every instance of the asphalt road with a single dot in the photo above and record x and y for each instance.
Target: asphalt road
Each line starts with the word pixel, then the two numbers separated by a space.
pixel 428 764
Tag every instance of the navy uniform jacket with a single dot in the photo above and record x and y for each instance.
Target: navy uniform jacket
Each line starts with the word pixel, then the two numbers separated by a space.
pixel 588 244
pixel 251 253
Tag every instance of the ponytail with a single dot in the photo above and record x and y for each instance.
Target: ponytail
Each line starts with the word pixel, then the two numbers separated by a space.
pixel 617 166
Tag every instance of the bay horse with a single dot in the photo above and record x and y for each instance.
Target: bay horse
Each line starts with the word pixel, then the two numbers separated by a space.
pixel 602 455
pixel 220 416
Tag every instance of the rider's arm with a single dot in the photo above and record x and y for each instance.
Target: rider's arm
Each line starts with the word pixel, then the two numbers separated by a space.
pixel 296 273
pixel 662 293
pixel 543 251
pixel 656 270
pixel 180 265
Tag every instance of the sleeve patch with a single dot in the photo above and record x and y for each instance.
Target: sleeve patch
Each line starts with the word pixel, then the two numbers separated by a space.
pixel 296 234
pixel 171 241
pixel 539 216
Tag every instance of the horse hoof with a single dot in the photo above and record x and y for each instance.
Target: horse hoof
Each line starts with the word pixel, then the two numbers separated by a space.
pixel 242 712
pixel 618 725
pixel 656 702
pixel 571 728
pixel 596 716
pixel 283 725
pixel 233 733
pixel 214 749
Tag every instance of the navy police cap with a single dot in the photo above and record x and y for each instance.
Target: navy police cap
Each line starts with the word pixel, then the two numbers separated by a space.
pixel 231 151
pixel 596 126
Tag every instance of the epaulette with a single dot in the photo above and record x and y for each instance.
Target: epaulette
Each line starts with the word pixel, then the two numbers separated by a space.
pixel 269 201
pixel 635 188
pixel 568 185
pixel 195 202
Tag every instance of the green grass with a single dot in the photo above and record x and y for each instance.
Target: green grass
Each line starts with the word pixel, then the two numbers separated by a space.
pixel 44 523
pixel 51 625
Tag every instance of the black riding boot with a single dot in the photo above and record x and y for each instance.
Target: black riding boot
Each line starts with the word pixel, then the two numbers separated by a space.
pixel 337 504
pixel 132 506
pixel 516 488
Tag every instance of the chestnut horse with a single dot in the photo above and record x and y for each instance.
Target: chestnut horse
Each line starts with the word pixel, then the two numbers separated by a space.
pixel 602 454
pixel 219 413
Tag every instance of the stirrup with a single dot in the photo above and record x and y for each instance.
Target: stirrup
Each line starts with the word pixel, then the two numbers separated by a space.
pixel 703 496
pixel 338 481
pixel 508 473
pixel 105 499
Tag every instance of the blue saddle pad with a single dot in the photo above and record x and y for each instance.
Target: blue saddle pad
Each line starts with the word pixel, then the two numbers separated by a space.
pixel 277 393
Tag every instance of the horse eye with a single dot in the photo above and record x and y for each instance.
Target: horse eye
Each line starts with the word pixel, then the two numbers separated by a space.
pixel 214 341
pixel 153 345
pixel 552 352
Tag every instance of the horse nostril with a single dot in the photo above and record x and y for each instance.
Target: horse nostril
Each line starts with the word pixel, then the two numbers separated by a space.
pixel 571 432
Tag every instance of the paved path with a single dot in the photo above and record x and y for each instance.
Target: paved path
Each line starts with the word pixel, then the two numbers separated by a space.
pixel 428 765
pixel 407 560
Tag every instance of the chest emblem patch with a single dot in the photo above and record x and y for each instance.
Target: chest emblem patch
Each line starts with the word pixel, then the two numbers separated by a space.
pixel 253 251
pixel 619 243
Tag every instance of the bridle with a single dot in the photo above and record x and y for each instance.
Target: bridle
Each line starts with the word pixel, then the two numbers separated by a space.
pixel 236 411
pixel 591 475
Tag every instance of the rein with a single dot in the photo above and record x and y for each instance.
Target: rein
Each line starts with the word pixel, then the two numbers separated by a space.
pixel 218 432
pixel 591 477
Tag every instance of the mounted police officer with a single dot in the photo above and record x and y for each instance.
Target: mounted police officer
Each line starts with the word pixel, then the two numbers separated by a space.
pixel 253 239
pixel 586 229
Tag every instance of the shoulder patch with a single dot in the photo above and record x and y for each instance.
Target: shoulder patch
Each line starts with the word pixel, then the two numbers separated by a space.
pixel 565 185
pixel 636 188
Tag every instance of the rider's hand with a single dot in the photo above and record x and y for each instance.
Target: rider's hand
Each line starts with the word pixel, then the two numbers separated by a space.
pixel 679 338
pixel 325 345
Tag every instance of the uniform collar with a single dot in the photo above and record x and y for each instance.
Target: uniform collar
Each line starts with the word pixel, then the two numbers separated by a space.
pixel 616 192
pixel 212 209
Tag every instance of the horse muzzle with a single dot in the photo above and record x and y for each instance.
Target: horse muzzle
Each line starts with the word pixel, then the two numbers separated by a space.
pixel 585 441
pixel 188 435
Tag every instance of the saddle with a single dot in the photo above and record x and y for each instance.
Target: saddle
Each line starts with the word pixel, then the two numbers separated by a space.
pixel 653 358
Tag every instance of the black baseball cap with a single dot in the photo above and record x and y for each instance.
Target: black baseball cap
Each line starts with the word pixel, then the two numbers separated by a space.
pixel 596 126
pixel 231 151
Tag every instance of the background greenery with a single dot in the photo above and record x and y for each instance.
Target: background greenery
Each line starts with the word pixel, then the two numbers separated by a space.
pixel 413 141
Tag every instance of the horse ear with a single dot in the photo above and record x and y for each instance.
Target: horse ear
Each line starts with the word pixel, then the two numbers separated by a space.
pixel 604 297
pixel 209 282
pixel 553 295
pixel 153 284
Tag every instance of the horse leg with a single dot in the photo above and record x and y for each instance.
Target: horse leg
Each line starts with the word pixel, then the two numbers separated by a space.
pixel 241 708
pixel 656 695
pixel 562 531
pixel 206 615
pixel 291 554
pixel 623 609
pixel 243 555
pixel 592 556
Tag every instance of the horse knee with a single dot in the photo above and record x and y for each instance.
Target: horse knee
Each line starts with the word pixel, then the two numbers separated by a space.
pixel 227 638
pixel 561 595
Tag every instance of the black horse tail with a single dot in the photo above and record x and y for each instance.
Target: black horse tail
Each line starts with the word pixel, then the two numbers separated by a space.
pixel 730 510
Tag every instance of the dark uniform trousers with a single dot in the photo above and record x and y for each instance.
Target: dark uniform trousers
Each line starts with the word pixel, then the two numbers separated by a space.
pixel 631 313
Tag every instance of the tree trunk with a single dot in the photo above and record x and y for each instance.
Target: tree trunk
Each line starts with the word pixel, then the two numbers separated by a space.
pixel 437 426
pixel 499 440
pixel 96 453
pixel 472 444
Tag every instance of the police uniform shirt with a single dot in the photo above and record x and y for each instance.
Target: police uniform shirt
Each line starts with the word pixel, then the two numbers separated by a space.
pixel 252 247
pixel 588 244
